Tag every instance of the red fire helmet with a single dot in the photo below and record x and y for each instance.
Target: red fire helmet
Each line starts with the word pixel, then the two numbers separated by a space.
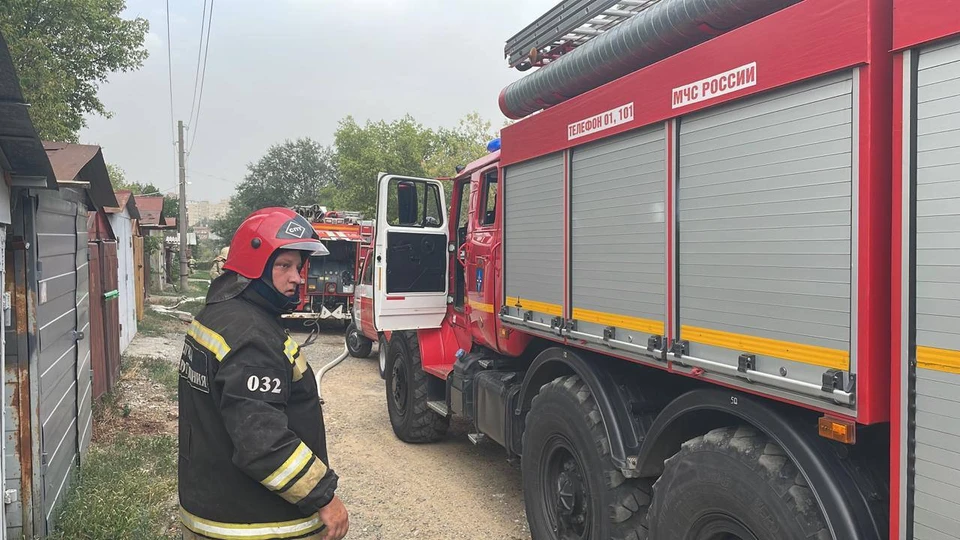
pixel 264 232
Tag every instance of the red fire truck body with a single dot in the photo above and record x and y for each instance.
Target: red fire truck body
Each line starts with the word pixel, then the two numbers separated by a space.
pixel 329 281
pixel 726 284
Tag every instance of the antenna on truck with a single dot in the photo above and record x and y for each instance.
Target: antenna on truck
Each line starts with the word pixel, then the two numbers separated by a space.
pixel 567 26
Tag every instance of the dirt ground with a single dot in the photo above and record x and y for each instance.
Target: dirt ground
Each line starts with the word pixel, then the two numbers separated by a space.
pixel 393 491
pixel 142 405
pixel 444 491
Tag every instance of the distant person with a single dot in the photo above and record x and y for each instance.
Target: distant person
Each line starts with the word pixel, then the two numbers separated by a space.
pixel 253 453
pixel 217 269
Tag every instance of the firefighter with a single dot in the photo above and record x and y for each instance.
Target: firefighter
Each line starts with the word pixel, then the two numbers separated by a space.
pixel 253 457
pixel 218 263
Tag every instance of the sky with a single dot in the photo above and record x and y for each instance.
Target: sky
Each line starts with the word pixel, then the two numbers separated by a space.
pixel 294 68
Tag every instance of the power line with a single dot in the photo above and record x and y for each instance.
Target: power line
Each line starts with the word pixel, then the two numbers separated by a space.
pixel 203 77
pixel 196 76
pixel 173 130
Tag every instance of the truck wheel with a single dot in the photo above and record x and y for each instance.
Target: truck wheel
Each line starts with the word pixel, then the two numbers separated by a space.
pixel 358 345
pixel 571 489
pixel 406 382
pixel 735 483
pixel 382 347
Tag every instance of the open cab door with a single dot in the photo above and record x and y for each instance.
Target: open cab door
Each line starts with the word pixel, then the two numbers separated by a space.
pixel 410 254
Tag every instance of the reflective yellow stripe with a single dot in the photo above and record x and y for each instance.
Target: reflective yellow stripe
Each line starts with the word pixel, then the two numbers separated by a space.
pixel 210 340
pixel 480 306
pixel 807 354
pixel 531 305
pixel 291 349
pixel 250 531
pixel 290 468
pixel 299 368
pixel 305 484
pixel 619 321
pixel 944 360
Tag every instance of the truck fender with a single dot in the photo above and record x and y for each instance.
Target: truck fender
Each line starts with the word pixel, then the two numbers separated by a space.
pixel 844 494
pixel 613 400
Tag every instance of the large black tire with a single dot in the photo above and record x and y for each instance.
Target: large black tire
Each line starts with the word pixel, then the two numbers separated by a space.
pixel 571 488
pixel 382 348
pixel 358 345
pixel 412 419
pixel 734 482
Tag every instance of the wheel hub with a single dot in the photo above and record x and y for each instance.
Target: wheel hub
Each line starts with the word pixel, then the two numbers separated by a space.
pixel 566 493
pixel 354 340
pixel 569 492
pixel 719 526
pixel 398 387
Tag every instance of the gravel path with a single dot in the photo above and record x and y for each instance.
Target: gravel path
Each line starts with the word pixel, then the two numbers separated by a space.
pixel 393 490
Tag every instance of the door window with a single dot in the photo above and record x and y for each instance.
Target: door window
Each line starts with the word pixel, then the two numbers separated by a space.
pixel 488 205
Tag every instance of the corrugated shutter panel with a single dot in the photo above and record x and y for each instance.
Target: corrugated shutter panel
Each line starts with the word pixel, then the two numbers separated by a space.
pixel 765 210
pixel 533 233
pixel 617 188
pixel 57 222
pixel 937 496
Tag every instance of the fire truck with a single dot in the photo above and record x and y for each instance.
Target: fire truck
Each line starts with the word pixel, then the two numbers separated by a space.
pixel 330 280
pixel 712 289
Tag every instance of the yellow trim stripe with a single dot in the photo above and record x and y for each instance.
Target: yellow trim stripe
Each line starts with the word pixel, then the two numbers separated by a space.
pixel 532 305
pixel 290 468
pixel 945 360
pixel 299 368
pixel 291 349
pixel 619 321
pixel 211 340
pixel 250 531
pixel 480 306
pixel 807 354
pixel 305 484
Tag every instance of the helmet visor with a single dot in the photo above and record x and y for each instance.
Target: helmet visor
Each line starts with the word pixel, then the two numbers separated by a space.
pixel 312 248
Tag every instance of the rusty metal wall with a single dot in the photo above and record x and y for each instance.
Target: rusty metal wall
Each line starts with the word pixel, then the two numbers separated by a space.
pixel 111 309
pixel 46 378
pixel 98 356
pixel 21 457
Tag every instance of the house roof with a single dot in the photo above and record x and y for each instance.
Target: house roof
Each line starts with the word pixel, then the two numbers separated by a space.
pixel 83 163
pixel 151 211
pixel 125 200
pixel 21 152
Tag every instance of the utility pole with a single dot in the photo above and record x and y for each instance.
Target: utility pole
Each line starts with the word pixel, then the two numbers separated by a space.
pixel 182 221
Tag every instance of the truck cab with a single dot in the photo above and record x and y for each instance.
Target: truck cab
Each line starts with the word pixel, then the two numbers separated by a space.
pixel 408 285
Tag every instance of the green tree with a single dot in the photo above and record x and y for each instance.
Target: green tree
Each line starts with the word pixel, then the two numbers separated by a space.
pixel 400 147
pixel 300 172
pixel 171 206
pixel 63 50
pixel 459 146
pixel 118 179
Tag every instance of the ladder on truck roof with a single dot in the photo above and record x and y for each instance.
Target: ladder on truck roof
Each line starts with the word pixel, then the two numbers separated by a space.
pixel 570 24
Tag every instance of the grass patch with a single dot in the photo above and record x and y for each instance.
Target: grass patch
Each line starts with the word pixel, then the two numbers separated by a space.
pixel 161 371
pixel 126 489
pixel 192 308
pixel 196 286
pixel 110 404
pixel 157 324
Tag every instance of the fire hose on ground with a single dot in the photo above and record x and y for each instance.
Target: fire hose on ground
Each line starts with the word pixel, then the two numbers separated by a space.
pixel 322 371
